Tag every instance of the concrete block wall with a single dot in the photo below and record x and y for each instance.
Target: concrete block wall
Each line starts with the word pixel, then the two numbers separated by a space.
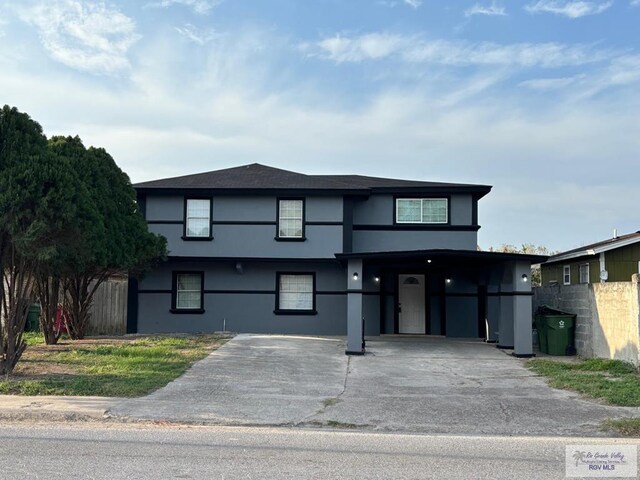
pixel 573 299
pixel 608 316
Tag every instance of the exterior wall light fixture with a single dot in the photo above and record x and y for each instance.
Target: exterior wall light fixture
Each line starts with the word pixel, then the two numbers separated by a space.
pixel 355 275
pixel 448 281
pixel 376 279
pixel 525 278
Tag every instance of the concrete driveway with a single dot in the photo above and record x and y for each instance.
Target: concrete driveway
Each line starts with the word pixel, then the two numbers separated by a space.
pixel 409 384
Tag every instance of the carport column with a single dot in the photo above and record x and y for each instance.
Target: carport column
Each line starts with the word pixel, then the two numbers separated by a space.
pixel 522 319
pixel 506 322
pixel 355 331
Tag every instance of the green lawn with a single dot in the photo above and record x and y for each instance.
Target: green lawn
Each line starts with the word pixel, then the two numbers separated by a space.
pixel 613 381
pixel 118 367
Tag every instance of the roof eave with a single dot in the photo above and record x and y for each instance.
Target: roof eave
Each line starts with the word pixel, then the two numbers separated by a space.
pixel 589 252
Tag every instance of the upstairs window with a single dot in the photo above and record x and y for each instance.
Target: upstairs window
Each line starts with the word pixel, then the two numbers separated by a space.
pixel 584 273
pixel 198 218
pixel 290 219
pixel 566 274
pixel 422 210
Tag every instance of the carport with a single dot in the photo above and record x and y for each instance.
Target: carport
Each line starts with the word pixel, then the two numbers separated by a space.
pixel 451 293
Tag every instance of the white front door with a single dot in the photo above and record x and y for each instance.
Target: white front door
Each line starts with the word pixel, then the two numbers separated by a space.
pixel 411 304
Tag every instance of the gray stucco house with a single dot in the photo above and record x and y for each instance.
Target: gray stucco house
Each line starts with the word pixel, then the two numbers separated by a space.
pixel 263 250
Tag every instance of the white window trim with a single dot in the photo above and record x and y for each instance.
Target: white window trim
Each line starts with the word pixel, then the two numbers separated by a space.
pixel 566 271
pixel 301 217
pixel 446 211
pixel 588 273
pixel 187 218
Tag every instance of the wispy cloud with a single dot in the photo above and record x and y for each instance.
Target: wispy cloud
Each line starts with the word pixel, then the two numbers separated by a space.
pixel 416 49
pixel 571 9
pixel 201 7
pixel 490 10
pixel 547 84
pixel 88 36
pixel 413 3
pixel 394 3
pixel 635 3
pixel 196 35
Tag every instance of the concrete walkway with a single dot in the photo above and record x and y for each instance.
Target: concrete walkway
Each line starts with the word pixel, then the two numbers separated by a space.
pixel 409 384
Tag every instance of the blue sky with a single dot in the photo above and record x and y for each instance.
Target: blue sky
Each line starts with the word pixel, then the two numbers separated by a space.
pixel 538 98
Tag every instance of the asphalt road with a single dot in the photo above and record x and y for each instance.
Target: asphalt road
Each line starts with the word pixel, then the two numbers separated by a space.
pixel 92 451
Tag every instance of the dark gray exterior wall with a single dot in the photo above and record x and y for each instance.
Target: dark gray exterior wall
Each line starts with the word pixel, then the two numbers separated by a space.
pixel 249 240
pixel 251 307
pixel 244 227
pixel 378 211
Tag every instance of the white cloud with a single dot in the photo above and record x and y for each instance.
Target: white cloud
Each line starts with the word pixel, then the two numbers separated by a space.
pixel 489 10
pixel 635 3
pixel 196 35
pixel 571 9
pixel 201 7
pixel 87 36
pixel 394 3
pixel 413 3
pixel 547 84
pixel 416 49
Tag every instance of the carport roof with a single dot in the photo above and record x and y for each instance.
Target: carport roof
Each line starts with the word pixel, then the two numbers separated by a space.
pixel 468 255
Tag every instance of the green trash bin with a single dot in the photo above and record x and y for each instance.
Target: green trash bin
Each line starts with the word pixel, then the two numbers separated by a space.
pixel 555 331
pixel 33 319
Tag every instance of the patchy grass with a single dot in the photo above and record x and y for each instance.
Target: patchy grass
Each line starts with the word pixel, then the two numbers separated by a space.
pixel 112 367
pixel 613 381
pixel 330 402
pixel 629 427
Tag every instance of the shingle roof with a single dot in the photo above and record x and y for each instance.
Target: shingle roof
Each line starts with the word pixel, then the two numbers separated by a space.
pixel 256 176
pixel 596 248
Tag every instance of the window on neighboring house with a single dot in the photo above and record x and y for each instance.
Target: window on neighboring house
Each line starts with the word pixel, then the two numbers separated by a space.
pixel 584 273
pixel 198 218
pixel 566 274
pixel 290 219
pixel 187 291
pixel 422 210
pixel 295 293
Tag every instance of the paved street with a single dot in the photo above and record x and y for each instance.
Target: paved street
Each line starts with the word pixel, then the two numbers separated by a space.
pixel 404 384
pixel 119 452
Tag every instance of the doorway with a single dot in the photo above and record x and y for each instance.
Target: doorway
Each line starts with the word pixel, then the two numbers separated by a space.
pixel 411 304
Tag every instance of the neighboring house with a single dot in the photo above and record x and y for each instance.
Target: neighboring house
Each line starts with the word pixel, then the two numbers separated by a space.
pixel 264 250
pixel 612 260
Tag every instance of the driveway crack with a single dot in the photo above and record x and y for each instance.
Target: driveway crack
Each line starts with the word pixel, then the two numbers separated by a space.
pixel 329 401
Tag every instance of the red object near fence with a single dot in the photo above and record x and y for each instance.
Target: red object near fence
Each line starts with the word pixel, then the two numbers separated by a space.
pixel 61 319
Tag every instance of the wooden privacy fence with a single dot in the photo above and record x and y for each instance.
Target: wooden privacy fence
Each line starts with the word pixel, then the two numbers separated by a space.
pixel 109 309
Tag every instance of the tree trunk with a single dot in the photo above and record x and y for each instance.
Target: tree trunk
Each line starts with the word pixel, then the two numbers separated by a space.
pixel 48 290
pixel 16 298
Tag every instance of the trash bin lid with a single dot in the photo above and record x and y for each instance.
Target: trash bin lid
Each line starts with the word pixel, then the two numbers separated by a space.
pixel 547 310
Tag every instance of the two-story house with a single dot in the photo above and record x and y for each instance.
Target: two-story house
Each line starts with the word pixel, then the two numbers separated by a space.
pixel 263 250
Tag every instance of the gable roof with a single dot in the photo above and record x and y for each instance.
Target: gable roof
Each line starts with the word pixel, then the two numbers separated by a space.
pixel 262 177
pixel 596 248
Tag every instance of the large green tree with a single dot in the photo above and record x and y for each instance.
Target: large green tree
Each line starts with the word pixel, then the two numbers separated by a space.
pixel 37 200
pixel 118 243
